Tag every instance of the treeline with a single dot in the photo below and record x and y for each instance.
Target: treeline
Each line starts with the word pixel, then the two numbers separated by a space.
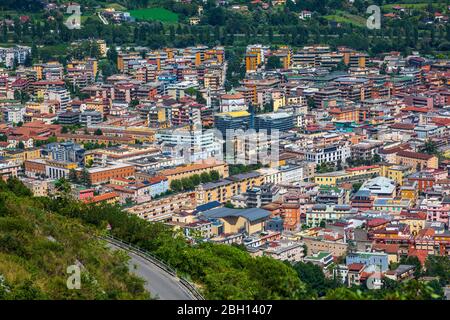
pixel 242 168
pixel 189 183
pixel 23 5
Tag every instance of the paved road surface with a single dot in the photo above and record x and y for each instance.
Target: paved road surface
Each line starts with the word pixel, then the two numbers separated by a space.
pixel 158 282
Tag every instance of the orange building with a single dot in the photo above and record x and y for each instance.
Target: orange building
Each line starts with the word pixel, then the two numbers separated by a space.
pixel 35 167
pixel 347 114
pixel 251 61
pixel 290 212
pixel 100 175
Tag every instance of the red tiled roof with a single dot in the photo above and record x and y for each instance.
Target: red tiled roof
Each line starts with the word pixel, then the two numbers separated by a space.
pixel 416 109
pixel 356 267
pixel 419 253
pixel 441 121
pixel 361 168
pixel 387 248
pixel 376 222
pixel 102 197
pixel 403 126
pixel 414 155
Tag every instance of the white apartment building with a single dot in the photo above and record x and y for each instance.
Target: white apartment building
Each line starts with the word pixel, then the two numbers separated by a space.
pixel 18 54
pixel 286 251
pixel 232 102
pixel 330 153
pixel 58 94
pixel 14 114
pixel 193 145
pixel 284 174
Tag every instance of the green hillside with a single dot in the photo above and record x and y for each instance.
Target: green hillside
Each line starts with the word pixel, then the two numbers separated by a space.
pixel 36 247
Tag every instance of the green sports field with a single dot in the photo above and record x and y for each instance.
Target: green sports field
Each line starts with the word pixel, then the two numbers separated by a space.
pixel 159 14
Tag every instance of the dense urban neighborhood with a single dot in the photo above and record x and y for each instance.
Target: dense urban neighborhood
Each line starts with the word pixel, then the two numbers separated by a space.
pixel 301 166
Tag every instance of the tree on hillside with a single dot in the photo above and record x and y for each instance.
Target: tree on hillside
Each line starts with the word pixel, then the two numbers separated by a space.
pixel 214 174
pixel 205 177
pixel 73 177
pixel 63 186
pixel 314 278
pixel 273 63
pixel 438 266
pixel 430 147
pixel 85 179
pixel 176 185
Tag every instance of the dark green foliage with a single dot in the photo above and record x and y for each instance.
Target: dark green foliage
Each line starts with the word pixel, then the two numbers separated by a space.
pixel 188 184
pixel 313 277
pixel 430 147
pixel 241 168
pixel 409 290
pixel 37 246
pixel 438 266
pixel 273 62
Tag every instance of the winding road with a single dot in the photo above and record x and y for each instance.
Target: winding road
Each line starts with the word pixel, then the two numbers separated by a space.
pixel 159 282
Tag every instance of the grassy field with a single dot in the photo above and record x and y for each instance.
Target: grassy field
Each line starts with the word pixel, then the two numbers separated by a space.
pixel 158 14
pixel 344 17
pixel 421 5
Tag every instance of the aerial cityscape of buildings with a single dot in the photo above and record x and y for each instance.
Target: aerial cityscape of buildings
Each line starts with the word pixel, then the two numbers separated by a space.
pixel 320 154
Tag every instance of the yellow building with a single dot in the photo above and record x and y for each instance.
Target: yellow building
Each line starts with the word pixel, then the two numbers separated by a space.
pixel 278 102
pixel 102 48
pixel 89 157
pixel 415 221
pixel 410 192
pixel 285 55
pixel 61 165
pixel 96 105
pixel 21 156
pixel 358 174
pixel 38 68
pixel 224 189
pixel 198 58
pixel 195 168
pixel 393 206
pixel 123 58
pixel 38 187
pixel 396 172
